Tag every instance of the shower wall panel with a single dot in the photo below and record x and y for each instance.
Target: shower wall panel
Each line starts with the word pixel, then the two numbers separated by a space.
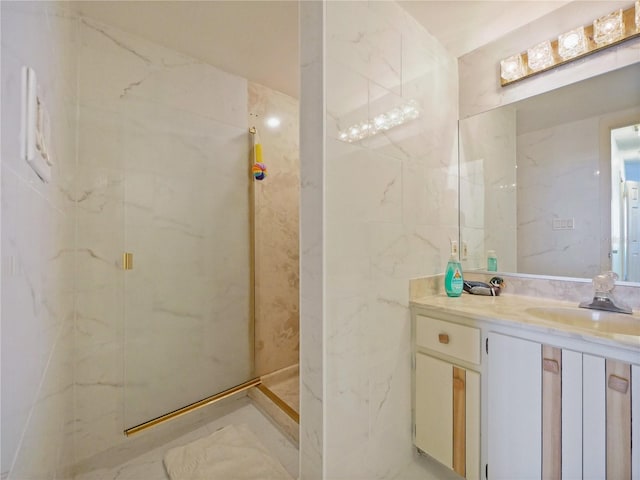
pixel 163 163
pixel 277 200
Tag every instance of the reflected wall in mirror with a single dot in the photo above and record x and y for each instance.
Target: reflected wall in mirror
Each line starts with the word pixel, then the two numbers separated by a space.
pixel 536 182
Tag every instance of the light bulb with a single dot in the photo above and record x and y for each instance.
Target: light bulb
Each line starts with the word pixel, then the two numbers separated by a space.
pixel 572 43
pixel 609 28
pixel 273 122
pixel 540 56
pixel 512 68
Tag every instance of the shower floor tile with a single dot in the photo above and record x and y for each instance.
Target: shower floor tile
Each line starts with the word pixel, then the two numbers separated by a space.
pixel 149 466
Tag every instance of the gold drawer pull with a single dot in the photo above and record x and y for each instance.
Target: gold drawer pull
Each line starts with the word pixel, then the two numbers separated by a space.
pixel 550 365
pixel 618 384
pixel 443 338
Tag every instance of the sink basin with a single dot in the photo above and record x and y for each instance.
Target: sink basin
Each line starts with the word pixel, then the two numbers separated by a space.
pixel 606 322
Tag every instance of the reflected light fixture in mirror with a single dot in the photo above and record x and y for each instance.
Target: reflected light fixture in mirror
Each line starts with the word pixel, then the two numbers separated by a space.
pixel 606 31
pixel 380 123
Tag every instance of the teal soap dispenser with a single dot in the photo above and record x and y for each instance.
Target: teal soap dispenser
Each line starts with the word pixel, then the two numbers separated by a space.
pixel 453 281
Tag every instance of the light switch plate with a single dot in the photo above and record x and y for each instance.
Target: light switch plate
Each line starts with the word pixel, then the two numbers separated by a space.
pixel 563 224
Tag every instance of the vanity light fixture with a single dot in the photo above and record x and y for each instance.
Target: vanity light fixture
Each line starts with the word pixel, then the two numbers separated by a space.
pixel 606 31
pixel 384 121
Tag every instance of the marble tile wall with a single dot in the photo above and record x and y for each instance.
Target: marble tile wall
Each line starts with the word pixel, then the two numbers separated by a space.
pixel 277 201
pixel 572 155
pixel 312 26
pixel 480 88
pixel 37 248
pixel 168 135
pixel 488 188
pixel 388 211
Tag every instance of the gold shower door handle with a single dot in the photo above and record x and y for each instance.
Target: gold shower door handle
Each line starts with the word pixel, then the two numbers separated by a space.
pixel 127 261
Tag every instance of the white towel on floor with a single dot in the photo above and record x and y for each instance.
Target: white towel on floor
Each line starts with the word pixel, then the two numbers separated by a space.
pixel 231 453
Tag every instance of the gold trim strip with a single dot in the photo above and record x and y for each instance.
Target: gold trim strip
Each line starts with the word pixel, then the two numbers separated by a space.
pixel 295 416
pixel 252 252
pixel 194 406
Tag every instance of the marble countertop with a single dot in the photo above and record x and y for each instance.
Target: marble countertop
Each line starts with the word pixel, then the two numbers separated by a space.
pixel 541 314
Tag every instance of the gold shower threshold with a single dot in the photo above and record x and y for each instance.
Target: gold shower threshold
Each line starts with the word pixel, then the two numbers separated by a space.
pixel 295 416
pixel 194 406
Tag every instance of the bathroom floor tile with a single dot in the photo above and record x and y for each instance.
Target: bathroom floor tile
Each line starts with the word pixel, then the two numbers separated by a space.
pixel 149 466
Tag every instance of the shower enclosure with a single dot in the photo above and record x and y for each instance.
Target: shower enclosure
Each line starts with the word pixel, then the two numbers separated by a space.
pixel 187 299
pixel 163 174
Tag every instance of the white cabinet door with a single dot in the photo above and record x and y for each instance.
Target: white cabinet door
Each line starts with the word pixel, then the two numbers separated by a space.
pixel 514 410
pixel 571 415
pixel 594 411
pixel 434 408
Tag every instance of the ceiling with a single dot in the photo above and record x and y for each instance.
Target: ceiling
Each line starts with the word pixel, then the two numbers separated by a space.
pixel 259 39
pixel 464 25
pixel 610 92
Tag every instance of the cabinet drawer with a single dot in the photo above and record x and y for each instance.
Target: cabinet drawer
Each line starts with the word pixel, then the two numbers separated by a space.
pixel 452 339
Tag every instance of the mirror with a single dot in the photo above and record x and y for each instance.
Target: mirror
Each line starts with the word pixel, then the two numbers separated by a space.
pixel 536 182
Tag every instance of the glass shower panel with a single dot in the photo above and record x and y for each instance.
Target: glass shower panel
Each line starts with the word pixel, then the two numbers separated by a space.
pixel 188 332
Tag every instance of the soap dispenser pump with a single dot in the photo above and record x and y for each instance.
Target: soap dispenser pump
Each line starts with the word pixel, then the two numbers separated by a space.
pixel 453 281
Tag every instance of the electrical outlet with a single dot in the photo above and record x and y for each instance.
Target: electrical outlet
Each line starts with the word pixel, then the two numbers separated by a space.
pixel 465 250
pixel 454 247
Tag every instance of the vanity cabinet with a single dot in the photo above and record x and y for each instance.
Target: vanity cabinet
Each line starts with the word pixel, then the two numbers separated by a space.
pixel 447 393
pixel 556 413
pixel 501 394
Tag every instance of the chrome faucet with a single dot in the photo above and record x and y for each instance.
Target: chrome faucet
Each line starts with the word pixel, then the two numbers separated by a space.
pixel 603 297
